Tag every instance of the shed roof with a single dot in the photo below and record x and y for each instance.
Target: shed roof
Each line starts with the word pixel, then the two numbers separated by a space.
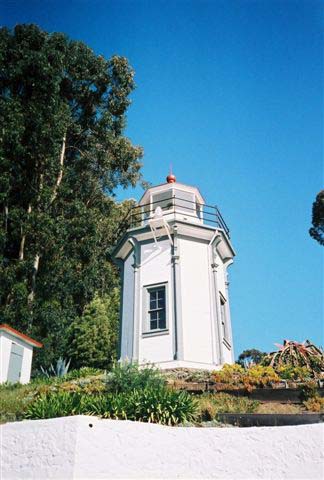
pixel 6 328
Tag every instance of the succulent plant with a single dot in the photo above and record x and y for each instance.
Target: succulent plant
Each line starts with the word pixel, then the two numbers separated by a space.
pixel 61 368
pixel 304 354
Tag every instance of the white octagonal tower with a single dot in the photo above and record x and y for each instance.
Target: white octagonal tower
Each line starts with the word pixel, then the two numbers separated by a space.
pixel 174 259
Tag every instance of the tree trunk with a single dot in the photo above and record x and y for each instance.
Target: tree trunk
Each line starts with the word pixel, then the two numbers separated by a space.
pixel 60 174
pixel 23 240
pixel 31 295
pixel 6 213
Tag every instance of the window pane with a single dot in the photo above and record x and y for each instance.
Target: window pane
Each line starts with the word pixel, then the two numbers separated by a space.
pixel 161 303
pixel 161 299
pixel 162 322
pixel 153 325
pixel 185 201
pixel 163 200
pixel 153 300
pixel 161 293
pixel 157 308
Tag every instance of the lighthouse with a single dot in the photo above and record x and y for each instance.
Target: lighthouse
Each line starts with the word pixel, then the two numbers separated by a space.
pixel 174 259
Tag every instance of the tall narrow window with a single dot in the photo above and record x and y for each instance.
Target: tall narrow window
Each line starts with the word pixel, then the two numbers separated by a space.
pixel 223 316
pixel 157 308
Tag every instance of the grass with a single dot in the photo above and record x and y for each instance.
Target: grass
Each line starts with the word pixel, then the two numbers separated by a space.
pixel 14 401
pixel 274 407
pixel 210 405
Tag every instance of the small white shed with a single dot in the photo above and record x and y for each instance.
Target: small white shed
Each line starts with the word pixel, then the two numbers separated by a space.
pixel 16 353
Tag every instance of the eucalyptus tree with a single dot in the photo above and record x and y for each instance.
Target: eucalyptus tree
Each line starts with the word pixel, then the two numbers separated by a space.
pixel 63 152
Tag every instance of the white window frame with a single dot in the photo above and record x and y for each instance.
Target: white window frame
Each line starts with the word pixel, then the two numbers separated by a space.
pixel 146 308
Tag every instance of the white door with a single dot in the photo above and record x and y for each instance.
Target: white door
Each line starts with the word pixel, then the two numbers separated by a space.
pixel 15 363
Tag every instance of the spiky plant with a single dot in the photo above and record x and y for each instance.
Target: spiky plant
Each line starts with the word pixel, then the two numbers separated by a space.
pixel 304 354
pixel 61 369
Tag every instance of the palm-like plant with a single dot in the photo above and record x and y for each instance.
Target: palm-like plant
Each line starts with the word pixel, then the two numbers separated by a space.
pixel 304 354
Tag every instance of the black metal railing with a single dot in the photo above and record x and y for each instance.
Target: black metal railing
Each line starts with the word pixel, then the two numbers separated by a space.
pixel 206 214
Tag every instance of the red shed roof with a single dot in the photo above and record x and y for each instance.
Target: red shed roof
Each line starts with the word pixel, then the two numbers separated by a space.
pixel 24 337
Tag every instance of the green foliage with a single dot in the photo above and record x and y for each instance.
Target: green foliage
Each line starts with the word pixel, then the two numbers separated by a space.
pixel 54 405
pixel 309 390
pixel 14 400
pixel 297 354
pixel 317 230
pixel 93 337
pixel 210 405
pixel 83 372
pixel 126 376
pixel 62 154
pixel 289 372
pixel 149 405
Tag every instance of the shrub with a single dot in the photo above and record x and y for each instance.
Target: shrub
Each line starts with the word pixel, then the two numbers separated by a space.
pixel 126 376
pixel 259 376
pixel 235 376
pixel 289 372
pixel 229 374
pixel 315 404
pixel 309 390
pixel 149 405
pixel 83 372
pixel 93 337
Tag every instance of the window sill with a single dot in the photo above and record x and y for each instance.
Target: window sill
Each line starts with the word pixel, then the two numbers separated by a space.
pixel 155 333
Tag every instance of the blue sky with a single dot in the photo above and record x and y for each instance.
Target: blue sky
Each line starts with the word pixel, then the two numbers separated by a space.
pixel 230 92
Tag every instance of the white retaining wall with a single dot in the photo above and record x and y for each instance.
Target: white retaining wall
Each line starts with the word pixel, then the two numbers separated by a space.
pixel 69 448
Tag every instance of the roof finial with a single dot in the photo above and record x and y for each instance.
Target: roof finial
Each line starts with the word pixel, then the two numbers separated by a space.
pixel 171 178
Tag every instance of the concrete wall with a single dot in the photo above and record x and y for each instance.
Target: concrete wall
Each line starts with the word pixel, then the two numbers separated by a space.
pixel 6 340
pixel 69 448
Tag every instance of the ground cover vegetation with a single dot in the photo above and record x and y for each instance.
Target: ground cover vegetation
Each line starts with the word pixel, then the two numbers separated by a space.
pixel 63 153
pixel 143 394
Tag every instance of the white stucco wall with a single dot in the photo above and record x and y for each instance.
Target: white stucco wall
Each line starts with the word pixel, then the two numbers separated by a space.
pixel 227 354
pixel 196 301
pixel 6 340
pixel 156 268
pixel 68 448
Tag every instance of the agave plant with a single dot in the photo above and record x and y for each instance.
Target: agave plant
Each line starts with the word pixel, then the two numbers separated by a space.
pixel 304 354
pixel 61 369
